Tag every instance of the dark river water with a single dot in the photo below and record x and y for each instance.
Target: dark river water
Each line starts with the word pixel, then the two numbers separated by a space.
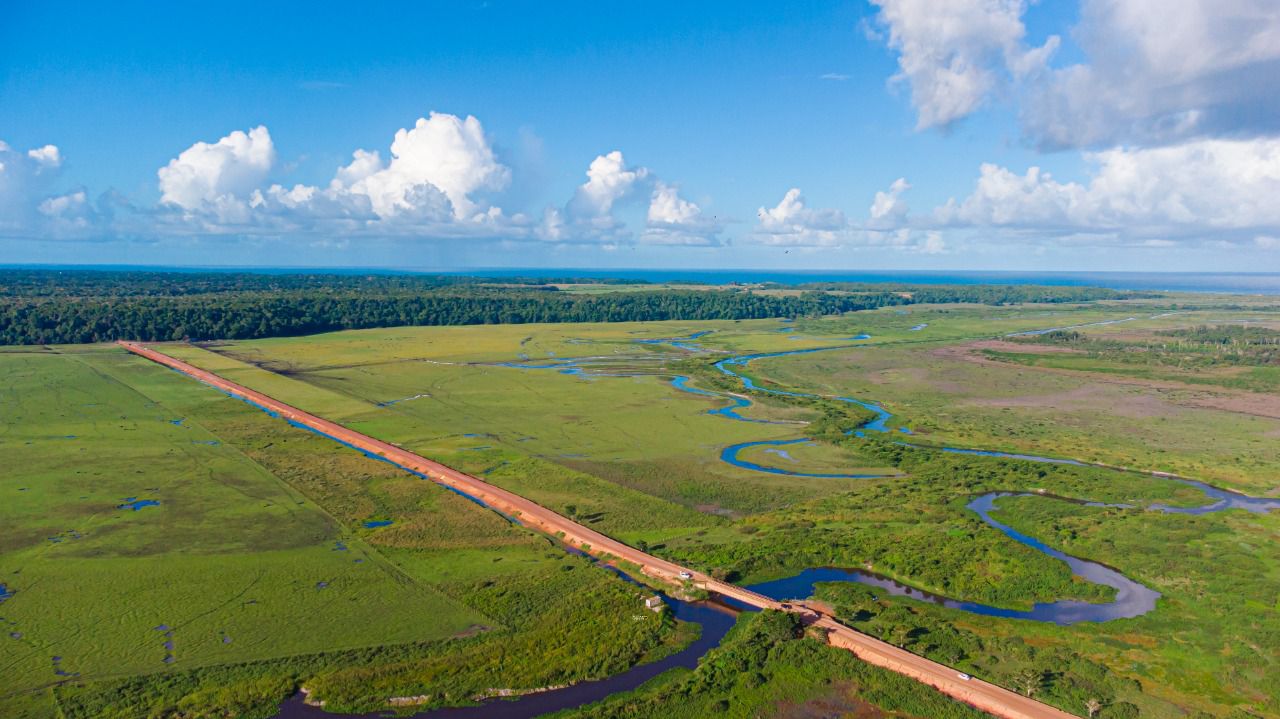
pixel 715 620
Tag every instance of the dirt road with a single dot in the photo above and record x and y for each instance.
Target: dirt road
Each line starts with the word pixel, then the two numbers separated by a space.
pixel 983 695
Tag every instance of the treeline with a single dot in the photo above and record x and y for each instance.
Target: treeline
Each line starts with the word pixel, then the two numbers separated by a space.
pixel 152 283
pixel 68 307
pixel 1226 335
pixel 1190 348
pixel 257 314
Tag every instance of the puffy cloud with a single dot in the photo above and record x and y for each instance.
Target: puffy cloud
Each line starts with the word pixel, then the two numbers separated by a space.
pixel 363 164
pixel 435 168
pixel 69 213
pixel 28 205
pixel 791 222
pixel 673 220
pixel 608 181
pixel 1195 189
pixel 47 156
pixel 888 208
pixel 442 153
pixel 1161 72
pixel 955 54
pixel 432 186
pixel 61 205
pixel 1156 72
pixel 307 207
pixel 668 208
pixel 591 214
pixel 220 175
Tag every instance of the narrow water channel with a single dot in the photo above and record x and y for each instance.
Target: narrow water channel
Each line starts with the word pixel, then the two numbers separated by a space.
pixel 715 621
pixel 1132 598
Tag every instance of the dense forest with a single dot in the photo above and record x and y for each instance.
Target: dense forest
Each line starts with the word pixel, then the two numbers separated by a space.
pixel 57 307
pixel 152 283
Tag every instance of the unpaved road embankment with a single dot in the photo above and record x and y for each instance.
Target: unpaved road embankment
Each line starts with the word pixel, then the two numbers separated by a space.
pixel 983 695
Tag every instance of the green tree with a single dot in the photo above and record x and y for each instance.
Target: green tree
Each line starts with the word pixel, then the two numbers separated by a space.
pixel 1029 681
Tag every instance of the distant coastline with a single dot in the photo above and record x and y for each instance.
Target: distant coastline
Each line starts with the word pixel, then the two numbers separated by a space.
pixel 1266 283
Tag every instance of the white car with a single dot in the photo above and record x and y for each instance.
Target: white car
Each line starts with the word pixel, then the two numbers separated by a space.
pixel 964 676
pixel 686 575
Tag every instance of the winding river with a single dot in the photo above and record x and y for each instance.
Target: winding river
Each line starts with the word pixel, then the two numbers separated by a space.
pixel 1132 598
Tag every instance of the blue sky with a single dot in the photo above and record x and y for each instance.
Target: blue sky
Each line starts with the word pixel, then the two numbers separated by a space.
pixel 718 111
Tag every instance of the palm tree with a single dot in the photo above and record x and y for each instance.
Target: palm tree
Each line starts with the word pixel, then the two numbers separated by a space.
pixel 899 635
pixel 1029 681
pixel 1093 706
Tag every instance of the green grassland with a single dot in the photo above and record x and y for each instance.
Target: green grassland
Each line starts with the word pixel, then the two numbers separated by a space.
pixel 256 552
pixel 948 398
pixel 630 453
pixel 615 441
pixel 764 668
pixel 1209 645
pixel 452 601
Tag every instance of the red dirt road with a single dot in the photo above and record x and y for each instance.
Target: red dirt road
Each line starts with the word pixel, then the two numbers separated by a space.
pixel 983 695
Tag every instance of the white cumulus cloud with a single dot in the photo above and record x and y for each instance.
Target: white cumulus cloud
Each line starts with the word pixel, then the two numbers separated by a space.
pixel 1200 189
pixel 48 156
pixel 218 175
pixel 1161 72
pixel 1154 72
pixel 608 181
pixel 954 54
pixel 673 220
pixel 792 222
pixel 430 185
pixel 29 204
pixel 441 153
pixel 889 208
pixel 591 215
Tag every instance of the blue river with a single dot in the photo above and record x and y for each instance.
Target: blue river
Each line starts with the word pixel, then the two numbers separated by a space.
pixel 1132 599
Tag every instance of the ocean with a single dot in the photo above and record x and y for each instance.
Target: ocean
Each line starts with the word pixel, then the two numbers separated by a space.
pixel 1263 283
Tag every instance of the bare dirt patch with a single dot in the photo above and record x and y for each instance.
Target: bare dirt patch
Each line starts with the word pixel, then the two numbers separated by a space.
pixel 969 350
pixel 915 375
pixel 1137 405
pixel 1254 403
pixel 891 376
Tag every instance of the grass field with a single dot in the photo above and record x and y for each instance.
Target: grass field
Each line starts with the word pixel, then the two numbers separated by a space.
pixel 258 526
pixel 254 549
pixel 618 444
pixel 953 395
